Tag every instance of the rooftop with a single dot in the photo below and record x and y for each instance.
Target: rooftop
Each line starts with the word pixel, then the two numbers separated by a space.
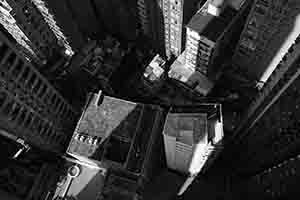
pixel 192 124
pixel 155 69
pixel 211 26
pixel 193 79
pixel 111 130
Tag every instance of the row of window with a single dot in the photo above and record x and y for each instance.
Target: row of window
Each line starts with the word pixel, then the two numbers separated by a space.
pixel 24 117
pixel 30 81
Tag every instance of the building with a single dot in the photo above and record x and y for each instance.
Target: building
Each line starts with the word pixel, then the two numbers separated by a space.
pixel 193 138
pixel 122 137
pixel 204 33
pixel 209 38
pixel 153 77
pixel 26 24
pixel 31 108
pixel 270 30
pixel 194 82
pixel 177 13
pixel 273 114
pixel 150 17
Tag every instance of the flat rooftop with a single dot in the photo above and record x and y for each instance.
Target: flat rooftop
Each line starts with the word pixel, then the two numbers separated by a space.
pixel 181 72
pixel 192 124
pixel 110 129
pixel 211 26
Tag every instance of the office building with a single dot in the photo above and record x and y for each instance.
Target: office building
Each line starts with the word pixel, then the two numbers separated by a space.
pixel 177 14
pixel 122 137
pixel 267 133
pixel 270 30
pixel 209 35
pixel 204 32
pixel 193 138
pixel 26 24
pixel 31 108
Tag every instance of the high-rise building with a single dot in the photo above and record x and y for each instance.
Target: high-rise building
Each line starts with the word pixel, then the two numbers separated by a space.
pixel 204 33
pixel 270 30
pixel 193 138
pixel 177 13
pixel 31 108
pixel 26 24
pixel 150 15
pixel 267 133
pixel 209 35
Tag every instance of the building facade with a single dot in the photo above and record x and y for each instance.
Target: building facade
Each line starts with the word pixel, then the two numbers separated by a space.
pixel 30 107
pixel 268 131
pixel 271 28
pixel 193 138
pixel 210 33
pixel 177 13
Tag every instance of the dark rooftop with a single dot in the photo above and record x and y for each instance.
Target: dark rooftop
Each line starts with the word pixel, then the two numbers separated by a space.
pixel 209 25
pixel 119 125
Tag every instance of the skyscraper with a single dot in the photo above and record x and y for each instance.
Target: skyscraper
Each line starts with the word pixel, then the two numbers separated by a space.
pixel 271 28
pixel 177 13
pixel 30 107
pixel 268 131
pixel 205 32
